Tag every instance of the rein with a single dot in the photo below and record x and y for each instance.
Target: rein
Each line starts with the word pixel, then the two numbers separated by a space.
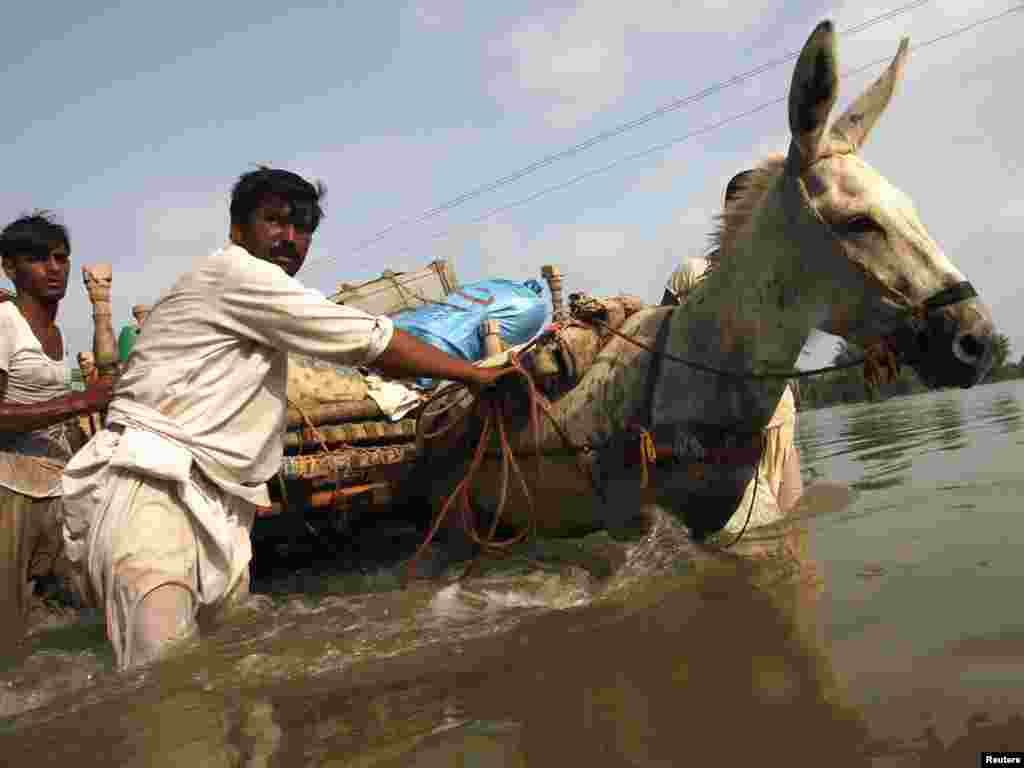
pixel 488 408
pixel 952 295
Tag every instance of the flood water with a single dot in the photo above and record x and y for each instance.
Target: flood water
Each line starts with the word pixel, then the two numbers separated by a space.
pixel 882 627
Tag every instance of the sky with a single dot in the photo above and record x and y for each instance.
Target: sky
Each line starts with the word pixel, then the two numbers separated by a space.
pixel 132 120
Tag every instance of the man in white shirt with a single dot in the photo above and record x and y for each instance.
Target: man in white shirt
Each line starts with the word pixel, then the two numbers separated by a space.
pixel 38 432
pixel 160 503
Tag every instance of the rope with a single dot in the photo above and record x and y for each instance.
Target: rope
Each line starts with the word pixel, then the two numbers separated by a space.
pixel 404 291
pixel 648 455
pixel 487 406
pixel 648 450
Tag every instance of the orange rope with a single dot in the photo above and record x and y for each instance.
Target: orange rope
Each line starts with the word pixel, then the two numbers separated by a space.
pixel 489 408
pixel 648 456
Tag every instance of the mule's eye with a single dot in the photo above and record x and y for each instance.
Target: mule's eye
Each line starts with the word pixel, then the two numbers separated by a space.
pixel 861 225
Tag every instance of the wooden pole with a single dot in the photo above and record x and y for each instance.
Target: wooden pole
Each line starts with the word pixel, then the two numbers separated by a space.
pixel 335 413
pixel 98 279
pixel 553 277
pixel 324 498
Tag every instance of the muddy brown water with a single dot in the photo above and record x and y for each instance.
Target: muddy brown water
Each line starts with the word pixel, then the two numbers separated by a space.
pixel 883 627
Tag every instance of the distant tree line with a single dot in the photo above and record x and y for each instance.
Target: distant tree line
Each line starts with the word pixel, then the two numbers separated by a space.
pixel 848 386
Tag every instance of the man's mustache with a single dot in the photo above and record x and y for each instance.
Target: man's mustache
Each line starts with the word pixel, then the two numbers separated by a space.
pixel 284 249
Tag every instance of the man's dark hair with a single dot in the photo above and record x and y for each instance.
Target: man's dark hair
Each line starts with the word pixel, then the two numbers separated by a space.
pixel 303 197
pixel 33 233
pixel 737 184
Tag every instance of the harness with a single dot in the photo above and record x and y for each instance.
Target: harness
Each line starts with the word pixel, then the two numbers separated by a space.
pixel 699 445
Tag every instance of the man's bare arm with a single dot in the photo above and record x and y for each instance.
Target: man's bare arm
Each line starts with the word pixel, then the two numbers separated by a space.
pixel 408 357
pixel 22 417
pixel 260 302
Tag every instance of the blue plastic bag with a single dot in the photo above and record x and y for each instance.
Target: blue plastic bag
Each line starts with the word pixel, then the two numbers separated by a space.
pixel 454 326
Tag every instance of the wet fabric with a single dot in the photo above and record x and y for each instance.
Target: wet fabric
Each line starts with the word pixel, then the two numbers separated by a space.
pixel 779 449
pixel 195 429
pixel 30 546
pixel 153 523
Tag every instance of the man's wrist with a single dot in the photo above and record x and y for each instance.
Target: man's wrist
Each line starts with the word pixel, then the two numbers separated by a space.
pixel 80 403
pixel 473 376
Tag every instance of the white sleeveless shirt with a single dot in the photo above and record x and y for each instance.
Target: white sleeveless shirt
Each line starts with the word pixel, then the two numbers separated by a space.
pixel 31 462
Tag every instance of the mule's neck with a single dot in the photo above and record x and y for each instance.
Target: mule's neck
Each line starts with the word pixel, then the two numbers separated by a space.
pixel 753 312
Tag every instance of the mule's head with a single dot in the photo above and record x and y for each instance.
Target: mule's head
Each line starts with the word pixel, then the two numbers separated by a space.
pixel 862 239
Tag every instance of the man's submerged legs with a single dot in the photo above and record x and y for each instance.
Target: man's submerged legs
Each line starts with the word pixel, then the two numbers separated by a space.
pixel 163 618
pixel 147 550
pixel 148 568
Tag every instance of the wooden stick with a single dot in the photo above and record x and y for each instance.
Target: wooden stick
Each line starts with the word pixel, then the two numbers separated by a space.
pixel 358 433
pixel 553 276
pixel 98 279
pixel 323 498
pixel 338 412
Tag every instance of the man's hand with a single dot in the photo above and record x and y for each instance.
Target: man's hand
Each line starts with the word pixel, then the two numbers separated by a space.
pixel 486 377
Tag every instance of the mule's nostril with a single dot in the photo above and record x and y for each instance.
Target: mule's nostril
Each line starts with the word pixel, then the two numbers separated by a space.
pixel 970 348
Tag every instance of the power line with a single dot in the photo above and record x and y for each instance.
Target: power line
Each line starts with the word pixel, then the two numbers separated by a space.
pixel 661 111
pixel 705 129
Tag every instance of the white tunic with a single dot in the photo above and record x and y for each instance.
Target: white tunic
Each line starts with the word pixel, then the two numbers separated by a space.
pixel 206 386
pixel 31 462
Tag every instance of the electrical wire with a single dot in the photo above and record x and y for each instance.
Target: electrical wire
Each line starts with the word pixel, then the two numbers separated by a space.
pixel 661 111
pixel 698 132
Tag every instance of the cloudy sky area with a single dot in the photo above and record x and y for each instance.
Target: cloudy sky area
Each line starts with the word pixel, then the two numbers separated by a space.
pixel 132 121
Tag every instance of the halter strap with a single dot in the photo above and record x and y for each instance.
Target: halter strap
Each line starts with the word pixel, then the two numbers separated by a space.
pixel 952 295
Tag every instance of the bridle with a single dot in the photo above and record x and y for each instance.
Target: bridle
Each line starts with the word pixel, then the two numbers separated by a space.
pixel 919 313
pixel 954 294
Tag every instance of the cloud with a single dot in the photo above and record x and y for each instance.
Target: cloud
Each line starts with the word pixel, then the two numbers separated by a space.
pixel 180 226
pixel 427 16
pixel 500 244
pixel 569 65
pixel 1012 214
pixel 435 15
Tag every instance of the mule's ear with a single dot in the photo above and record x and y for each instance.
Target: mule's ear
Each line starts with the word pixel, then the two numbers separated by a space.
pixel 855 124
pixel 813 91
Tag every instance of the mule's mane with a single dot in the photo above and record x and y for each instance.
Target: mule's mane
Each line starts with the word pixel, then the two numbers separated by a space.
pixel 732 223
